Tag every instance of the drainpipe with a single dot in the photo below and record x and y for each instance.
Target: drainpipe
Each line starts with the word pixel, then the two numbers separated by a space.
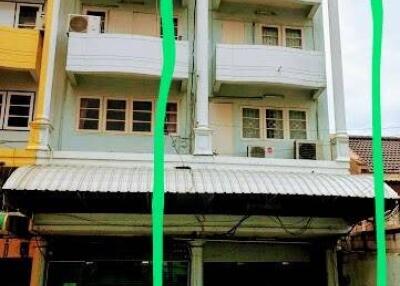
pixel 202 132
pixel 40 126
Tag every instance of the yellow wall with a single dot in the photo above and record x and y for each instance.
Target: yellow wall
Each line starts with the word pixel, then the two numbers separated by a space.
pixel 20 49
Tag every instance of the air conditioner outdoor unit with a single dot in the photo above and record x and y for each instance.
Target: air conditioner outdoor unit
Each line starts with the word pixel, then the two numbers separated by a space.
pixel 84 24
pixel 256 151
pixel 306 149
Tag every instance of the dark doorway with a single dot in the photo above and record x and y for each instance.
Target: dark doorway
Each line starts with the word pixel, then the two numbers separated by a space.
pixel 15 272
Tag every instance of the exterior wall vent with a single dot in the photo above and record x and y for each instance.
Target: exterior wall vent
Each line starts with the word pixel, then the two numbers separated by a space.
pixel 256 151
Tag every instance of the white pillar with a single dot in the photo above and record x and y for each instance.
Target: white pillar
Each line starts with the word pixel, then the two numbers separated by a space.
pixel 196 263
pixel 202 132
pixel 340 140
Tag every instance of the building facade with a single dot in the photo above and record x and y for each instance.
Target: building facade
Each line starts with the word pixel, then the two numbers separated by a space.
pixel 256 186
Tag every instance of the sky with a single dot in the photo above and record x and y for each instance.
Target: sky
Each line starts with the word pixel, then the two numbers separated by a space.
pixel 356 41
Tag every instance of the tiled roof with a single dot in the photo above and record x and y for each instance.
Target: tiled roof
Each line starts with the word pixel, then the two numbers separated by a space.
pixel 200 180
pixel 362 147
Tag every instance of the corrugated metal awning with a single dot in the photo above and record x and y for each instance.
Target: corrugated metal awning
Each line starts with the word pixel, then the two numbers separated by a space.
pixel 203 180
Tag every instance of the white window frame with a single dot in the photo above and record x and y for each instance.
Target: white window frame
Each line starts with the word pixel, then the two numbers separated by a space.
pixel 132 99
pixel 263 127
pixel 7 109
pixel 104 111
pixel 98 9
pixel 16 22
pixel 288 123
pixel 177 118
pixel 78 116
pixel 3 107
pixel 260 122
pixel 271 26
pixel 295 28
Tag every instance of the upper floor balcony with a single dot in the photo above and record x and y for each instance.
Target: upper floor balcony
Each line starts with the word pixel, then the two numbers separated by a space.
pixel 138 55
pixel 21 49
pixel 263 64
pixel 270 42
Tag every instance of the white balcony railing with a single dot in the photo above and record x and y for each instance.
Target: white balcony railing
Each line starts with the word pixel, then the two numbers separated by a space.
pixel 122 54
pixel 270 65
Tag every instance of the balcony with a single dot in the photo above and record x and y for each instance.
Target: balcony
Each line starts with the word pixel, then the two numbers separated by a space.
pixel 269 65
pixel 21 49
pixel 114 54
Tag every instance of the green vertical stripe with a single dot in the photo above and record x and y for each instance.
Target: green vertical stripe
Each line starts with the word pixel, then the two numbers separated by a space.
pixel 377 16
pixel 168 42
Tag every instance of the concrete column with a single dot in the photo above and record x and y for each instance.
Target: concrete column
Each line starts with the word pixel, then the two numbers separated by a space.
pixel 340 140
pixel 41 127
pixel 202 132
pixel 196 263
pixel 332 267
pixel 37 249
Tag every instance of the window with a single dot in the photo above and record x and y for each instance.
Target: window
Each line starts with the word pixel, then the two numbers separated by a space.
pixel 115 115
pixel 270 36
pixel 102 15
pixel 27 14
pixel 171 119
pixel 297 124
pixel 89 113
pixel 274 124
pixel 142 116
pixel 177 37
pixel 18 110
pixel 294 38
pixel 2 105
pixel 251 123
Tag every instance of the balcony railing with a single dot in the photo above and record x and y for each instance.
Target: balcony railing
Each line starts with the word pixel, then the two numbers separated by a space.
pixel 20 49
pixel 122 54
pixel 262 64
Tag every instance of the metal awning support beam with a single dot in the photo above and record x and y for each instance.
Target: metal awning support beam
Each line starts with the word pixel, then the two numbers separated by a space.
pixel 187 225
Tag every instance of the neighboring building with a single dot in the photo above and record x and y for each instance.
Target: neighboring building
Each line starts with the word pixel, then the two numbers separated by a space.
pixel 359 256
pixel 249 81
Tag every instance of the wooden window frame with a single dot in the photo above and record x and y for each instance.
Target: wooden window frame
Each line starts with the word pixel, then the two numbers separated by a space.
pixel 265 123
pixel 260 123
pixel 78 116
pixel 271 26
pixel 288 123
pixel 177 118
pixel 104 112
pixel 18 10
pixel 132 99
pixel 294 28
pixel 9 94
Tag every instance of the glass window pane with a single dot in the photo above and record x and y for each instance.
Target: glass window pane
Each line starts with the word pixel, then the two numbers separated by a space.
pixel 115 126
pixel 251 113
pixel 17 99
pixel 251 133
pixel 270 36
pixel 297 125
pixel 116 115
pixel 141 116
pixel 170 128
pixel 142 105
pixel 298 134
pixel 27 16
pixel 89 113
pixel 90 102
pixel 116 104
pixel 172 107
pixel 293 38
pixel 141 127
pixel 276 134
pixel 294 114
pixel 19 110
pixel 273 113
pixel 18 121
pixel 88 124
